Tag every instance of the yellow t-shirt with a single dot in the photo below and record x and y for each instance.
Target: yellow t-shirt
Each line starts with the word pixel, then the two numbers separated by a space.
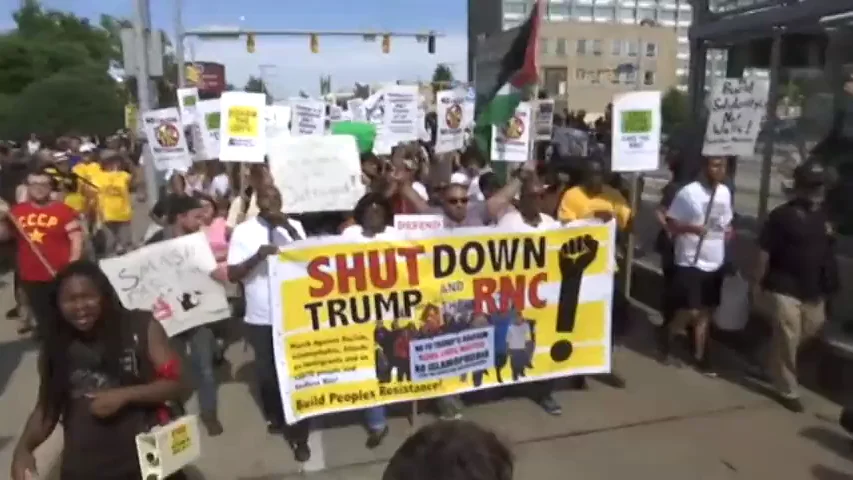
pixel 87 170
pixel 66 185
pixel 114 196
pixel 577 205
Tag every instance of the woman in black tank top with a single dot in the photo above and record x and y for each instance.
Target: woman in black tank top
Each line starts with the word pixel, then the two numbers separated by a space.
pixel 105 371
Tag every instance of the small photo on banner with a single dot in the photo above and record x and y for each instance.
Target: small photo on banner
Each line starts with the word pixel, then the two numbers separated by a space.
pixel 243 134
pixel 172 280
pixel 166 139
pixel 511 142
pixel 365 324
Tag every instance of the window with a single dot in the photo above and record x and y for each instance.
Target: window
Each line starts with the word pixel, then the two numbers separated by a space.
pixel 555 80
pixel 666 16
pixel 543 46
pixel 517 8
pixel 617 48
pixel 651 49
pixel 631 48
pixel 628 77
pixel 614 77
pixel 561 47
pixel 581 47
pixel 596 47
pixel 557 9
pixel 594 76
pixel 582 11
pixel 648 78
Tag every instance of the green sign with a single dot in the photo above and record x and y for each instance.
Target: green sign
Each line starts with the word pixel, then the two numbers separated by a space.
pixel 212 120
pixel 636 121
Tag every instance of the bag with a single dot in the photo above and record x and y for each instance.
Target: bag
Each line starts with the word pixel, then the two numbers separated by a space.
pixel 733 312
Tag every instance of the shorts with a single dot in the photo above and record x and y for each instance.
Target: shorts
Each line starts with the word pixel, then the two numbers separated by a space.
pixel 695 289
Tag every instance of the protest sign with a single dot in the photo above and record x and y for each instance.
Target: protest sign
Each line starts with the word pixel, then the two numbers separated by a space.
pixel 544 119
pixel 165 134
pixel 243 134
pixel 187 102
pixel 336 114
pixel 309 117
pixel 365 324
pixel 418 223
pixel 400 120
pixel 316 173
pixel 356 108
pixel 450 120
pixel 636 132
pixel 209 116
pixel 277 119
pixel 511 142
pixel 736 110
pixel 171 279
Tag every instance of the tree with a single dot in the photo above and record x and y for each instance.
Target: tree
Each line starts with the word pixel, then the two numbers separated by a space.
pixel 361 91
pixel 257 85
pixel 442 77
pixel 674 110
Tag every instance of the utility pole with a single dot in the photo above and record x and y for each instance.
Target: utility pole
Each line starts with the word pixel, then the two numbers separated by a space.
pixel 179 43
pixel 142 29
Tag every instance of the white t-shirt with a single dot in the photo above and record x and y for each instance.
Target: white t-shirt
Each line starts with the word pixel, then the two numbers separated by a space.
pixel 356 233
pixel 689 206
pixel 513 221
pixel 516 336
pixel 219 185
pixel 246 239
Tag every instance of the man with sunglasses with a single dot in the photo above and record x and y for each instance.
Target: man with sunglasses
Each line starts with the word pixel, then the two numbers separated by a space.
pixel 49 238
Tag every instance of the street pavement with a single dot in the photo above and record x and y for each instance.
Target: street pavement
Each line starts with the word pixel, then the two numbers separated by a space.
pixel 668 424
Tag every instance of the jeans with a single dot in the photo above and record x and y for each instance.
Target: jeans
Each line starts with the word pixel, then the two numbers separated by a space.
pixel 200 343
pixel 374 417
pixel 261 340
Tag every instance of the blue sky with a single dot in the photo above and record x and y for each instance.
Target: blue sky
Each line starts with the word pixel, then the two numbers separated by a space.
pixel 295 68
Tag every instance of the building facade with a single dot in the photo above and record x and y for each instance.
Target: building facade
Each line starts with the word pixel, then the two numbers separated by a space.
pixel 488 17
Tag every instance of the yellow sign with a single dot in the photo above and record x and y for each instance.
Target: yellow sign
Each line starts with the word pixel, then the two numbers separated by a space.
pixel 131 115
pixel 371 324
pixel 243 122
pixel 180 440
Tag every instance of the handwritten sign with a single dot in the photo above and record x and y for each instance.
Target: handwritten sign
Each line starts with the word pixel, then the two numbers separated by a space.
pixel 418 223
pixel 172 279
pixel 316 173
pixel 736 109
pixel 309 117
pixel 243 134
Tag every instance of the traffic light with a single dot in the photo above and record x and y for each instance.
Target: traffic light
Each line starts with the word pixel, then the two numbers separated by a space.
pixel 431 44
pixel 315 43
pixel 250 43
pixel 386 43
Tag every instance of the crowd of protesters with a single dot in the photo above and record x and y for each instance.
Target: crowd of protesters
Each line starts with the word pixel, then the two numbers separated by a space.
pixel 73 204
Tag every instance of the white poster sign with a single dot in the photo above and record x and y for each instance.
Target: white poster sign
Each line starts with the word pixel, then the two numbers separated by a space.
pixel 336 114
pixel 171 279
pixel 401 112
pixel 418 223
pixel 736 109
pixel 277 119
pixel 309 117
pixel 450 120
pixel 187 103
pixel 356 108
pixel 636 132
pixel 544 119
pixel 511 143
pixel 209 116
pixel 166 138
pixel 316 173
pixel 243 136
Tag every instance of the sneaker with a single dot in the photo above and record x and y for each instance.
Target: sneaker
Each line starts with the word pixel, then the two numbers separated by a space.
pixel 704 367
pixel 793 404
pixel 212 425
pixel 275 428
pixel 375 437
pixel 551 406
pixel 301 452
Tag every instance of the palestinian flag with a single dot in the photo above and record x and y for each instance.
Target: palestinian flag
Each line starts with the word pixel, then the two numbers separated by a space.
pixel 518 71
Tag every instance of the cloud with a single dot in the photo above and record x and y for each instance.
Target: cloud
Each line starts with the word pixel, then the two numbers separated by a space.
pixel 347 59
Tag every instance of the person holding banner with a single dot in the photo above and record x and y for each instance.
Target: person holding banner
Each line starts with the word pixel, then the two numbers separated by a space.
pixel 106 372
pixel 185 218
pixel 49 238
pixel 252 242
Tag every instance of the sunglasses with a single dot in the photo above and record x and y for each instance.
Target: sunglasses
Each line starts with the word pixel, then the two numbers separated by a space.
pixel 457 201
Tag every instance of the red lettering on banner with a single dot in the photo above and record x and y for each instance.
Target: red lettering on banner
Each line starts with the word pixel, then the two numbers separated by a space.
pixel 514 291
pixel 346 272
pixel 327 282
pixel 360 271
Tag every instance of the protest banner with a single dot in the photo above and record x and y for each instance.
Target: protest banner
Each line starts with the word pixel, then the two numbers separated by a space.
pixel 511 142
pixel 450 120
pixel 365 324
pixel 635 137
pixel 172 280
pixel 316 173
pixel 168 144
pixel 187 102
pixel 243 134
pixel 736 109
pixel 309 117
